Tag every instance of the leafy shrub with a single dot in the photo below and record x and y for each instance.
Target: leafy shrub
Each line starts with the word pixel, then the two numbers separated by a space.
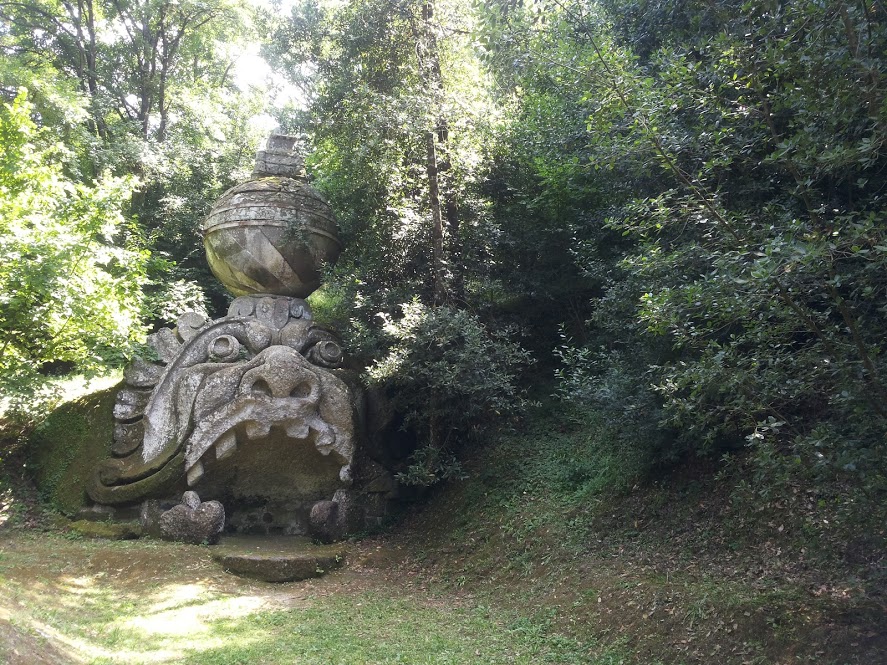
pixel 451 378
pixel 70 266
pixel 167 301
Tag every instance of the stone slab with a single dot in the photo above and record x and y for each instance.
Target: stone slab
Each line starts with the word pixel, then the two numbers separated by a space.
pixel 277 558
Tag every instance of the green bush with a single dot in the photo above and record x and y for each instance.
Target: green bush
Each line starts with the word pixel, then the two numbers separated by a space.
pixel 451 378
pixel 71 265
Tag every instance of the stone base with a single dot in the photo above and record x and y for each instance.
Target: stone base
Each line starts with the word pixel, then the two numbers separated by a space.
pixel 277 558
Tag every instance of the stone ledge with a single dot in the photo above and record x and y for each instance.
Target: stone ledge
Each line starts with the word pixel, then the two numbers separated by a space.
pixel 277 559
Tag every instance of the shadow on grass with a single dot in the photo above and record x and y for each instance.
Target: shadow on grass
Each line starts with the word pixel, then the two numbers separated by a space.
pixel 141 613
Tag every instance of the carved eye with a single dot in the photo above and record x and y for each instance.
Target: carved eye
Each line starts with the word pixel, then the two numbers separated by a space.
pixel 325 353
pixel 302 390
pixel 330 352
pixel 224 347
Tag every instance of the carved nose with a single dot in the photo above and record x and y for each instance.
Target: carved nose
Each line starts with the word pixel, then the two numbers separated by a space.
pixel 281 376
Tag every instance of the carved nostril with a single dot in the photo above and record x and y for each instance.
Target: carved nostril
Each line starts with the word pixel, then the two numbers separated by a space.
pixel 302 390
pixel 261 387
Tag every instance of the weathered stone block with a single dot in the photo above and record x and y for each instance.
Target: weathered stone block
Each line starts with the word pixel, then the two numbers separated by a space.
pixel 324 524
pixel 279 567
pixel 142 374
pixel 127 437
pixel 193 521
pixel 131 404
pixel 165 343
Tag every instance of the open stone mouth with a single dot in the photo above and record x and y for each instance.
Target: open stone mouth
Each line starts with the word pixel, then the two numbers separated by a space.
pixel 230 382
pixel 279 389
pixel 301 422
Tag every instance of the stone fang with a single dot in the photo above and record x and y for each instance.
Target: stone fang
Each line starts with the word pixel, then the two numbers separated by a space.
pixel 195 473
pixel 226 446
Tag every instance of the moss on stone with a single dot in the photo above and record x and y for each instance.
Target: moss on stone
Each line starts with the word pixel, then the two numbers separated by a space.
pixel 109 530
pixel 64 450
pixel 156 485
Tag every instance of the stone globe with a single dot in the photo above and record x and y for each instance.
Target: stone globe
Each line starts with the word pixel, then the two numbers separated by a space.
pixel 274 233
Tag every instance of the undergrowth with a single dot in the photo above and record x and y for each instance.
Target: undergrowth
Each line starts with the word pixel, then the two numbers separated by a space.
pixel 682 563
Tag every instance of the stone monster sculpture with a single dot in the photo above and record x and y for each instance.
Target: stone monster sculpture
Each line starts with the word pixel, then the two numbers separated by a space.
pixel 254 409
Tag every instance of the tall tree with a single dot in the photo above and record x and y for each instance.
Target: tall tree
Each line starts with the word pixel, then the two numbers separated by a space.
pixel 385 87
pixel 127 55
pixel 162 106
pixel 397 109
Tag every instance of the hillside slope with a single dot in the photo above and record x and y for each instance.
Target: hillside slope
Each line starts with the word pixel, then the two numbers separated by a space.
pixel 687 568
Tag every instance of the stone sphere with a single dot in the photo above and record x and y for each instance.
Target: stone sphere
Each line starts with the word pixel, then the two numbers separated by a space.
pixel 271 235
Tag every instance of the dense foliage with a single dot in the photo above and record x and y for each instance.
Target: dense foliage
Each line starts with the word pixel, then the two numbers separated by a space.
pixel 398 117
pixel 70 268
pixel 676 206
pixel 744 141
pixel 121 125
pixel 451 378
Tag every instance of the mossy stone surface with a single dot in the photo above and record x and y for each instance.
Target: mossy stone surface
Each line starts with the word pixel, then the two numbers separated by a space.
pixel 64 450
pixel 108 530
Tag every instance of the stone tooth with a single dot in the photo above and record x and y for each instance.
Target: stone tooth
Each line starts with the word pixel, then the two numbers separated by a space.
pixel 325 439
pixel 195 473
pixel 226 445
pixel 256 430
pixel 297 430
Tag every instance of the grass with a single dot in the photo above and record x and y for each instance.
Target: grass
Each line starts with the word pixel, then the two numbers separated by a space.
pixel 553 551
pixel 376 628
pixel 151 602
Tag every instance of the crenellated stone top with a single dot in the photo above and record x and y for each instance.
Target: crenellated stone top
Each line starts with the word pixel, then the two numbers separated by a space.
pixel 280 157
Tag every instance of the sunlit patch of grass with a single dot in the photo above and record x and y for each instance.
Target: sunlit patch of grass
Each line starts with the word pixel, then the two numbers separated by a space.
pixel 74 387
pixel 68 388
pixel 189 610
pixel 81 597
pixel 378 628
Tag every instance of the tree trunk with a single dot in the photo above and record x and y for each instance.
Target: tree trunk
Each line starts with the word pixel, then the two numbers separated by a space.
pixel 448 284
pixel 437 255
